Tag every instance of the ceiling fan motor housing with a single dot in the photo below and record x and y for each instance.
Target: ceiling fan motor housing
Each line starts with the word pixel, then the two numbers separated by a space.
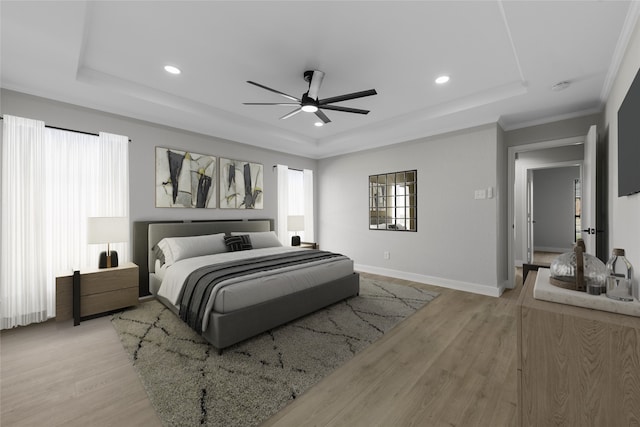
pixel 309 104
pixel 308 75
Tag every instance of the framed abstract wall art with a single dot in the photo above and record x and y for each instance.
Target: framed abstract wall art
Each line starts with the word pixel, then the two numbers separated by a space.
pixel 241 184
pixel 185 179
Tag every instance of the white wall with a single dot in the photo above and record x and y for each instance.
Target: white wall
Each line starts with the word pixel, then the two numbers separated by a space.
pixel 144 138
pixel 554 208
pixel 623 212
pixel 457 242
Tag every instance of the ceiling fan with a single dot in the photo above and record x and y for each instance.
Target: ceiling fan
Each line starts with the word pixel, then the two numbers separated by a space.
pixel 310 103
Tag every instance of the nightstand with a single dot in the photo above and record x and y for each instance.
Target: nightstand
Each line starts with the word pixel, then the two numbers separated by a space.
pixel 309 245
pixel 96 291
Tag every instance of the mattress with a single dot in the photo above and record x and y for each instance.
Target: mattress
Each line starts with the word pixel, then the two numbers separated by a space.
pixel 254 288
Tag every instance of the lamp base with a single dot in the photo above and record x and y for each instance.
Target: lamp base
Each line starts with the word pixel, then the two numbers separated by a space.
pixel 108 261
pixel 295 240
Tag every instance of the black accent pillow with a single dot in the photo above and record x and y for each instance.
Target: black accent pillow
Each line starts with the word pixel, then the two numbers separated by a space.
pixel 238 243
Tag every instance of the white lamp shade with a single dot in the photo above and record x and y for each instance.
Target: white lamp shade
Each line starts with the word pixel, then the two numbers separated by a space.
pixel 107 229
pixel 295 222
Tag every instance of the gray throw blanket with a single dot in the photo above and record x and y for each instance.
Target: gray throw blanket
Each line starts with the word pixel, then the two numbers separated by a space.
pixel 200 284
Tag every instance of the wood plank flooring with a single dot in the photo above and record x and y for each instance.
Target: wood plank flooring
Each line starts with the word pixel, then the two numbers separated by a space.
pixel 54 374
pixel 452 363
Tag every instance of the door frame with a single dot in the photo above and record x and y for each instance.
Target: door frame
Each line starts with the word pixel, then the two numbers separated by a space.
pixel 529 220
pixel 512 153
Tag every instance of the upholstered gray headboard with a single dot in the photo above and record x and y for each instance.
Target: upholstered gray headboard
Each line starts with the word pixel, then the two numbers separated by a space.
pixel 148 233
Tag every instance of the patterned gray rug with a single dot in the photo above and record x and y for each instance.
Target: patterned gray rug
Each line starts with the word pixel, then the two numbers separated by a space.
pixel 189 384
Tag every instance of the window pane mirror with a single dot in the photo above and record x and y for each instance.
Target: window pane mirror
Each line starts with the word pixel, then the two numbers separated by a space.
pixel 393 201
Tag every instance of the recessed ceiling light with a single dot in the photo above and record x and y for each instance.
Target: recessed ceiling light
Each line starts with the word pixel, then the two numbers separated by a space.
pixel 442 79
pixel 318 124
pixel 171 69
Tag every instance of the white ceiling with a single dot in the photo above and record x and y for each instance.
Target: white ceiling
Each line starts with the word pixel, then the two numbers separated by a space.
pixel 502 56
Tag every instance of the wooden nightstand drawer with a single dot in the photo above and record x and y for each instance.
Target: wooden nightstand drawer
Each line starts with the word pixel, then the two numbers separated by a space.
pixel 108 301
pixel 100 291
pixel 116 279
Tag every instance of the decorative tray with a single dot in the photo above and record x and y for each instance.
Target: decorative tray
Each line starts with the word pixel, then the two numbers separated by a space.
pixel 544 290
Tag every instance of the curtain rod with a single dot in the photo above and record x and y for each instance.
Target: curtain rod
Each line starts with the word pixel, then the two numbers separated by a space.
pixel 68 130
pixel 293 169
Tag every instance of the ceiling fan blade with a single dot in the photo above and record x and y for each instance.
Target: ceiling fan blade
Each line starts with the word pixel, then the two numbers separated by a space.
pixel 323 117
pixel 271 103
pixel 314 84
pixel 345 109
pixel 293 113
pixel 293 98
pixel 347 97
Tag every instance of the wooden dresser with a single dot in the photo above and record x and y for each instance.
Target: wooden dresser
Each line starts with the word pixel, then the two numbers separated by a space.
pixel 576 366
pixel 101 290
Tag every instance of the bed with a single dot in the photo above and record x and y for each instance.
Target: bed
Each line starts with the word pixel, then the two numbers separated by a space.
pixel 281 284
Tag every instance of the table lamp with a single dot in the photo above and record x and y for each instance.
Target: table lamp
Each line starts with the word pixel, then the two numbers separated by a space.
pixel 108 230
pixel 295 223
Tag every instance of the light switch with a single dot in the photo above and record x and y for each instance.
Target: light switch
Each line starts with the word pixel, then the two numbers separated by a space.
pixel 480 194
pixel 490 193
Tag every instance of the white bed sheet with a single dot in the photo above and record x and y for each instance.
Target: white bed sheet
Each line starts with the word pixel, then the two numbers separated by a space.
pixel 255 288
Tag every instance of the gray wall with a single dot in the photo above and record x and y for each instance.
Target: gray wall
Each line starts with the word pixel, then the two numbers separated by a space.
pixel 502 199
pixel 458 239
pixel 578 126
pixel 553 208
pixel 144 138
pixel 623 212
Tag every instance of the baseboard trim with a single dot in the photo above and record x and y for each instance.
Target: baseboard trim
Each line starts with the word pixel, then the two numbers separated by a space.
pixel 550 249
pixel 435 281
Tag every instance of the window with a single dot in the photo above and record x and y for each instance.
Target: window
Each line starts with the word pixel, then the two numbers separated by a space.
pixel 295 197
pixel 577 212
pixel 296 200
pixel 393 201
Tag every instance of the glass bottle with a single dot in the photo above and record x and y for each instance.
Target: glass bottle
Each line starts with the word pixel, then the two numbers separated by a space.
pixel 619 281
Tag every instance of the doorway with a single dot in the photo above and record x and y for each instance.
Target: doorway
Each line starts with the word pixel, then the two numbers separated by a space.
pixel 522 160
pixel 554 210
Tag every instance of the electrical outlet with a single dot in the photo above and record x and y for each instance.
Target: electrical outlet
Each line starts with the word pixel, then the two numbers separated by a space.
pixel 387 255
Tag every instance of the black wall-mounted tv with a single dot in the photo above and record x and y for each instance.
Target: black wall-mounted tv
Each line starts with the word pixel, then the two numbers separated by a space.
pixel 629 141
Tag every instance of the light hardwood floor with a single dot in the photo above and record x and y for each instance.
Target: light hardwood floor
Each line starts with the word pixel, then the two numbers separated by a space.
pixel 452 363
pixel 54 374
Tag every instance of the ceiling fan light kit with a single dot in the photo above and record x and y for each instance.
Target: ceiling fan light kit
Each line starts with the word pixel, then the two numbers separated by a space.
pixel 309 101
pixel 171 69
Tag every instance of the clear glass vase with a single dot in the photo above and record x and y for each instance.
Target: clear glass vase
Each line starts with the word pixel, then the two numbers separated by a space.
pixel 619 277
pixel 564 269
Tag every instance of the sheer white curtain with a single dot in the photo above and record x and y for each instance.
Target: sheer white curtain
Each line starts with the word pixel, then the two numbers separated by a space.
pixel 52 181
pixel 307 189
pixel 283 204
pixel 23 299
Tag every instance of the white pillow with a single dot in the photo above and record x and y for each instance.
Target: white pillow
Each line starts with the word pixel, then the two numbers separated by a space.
pixel 177 248
pixel 261 239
